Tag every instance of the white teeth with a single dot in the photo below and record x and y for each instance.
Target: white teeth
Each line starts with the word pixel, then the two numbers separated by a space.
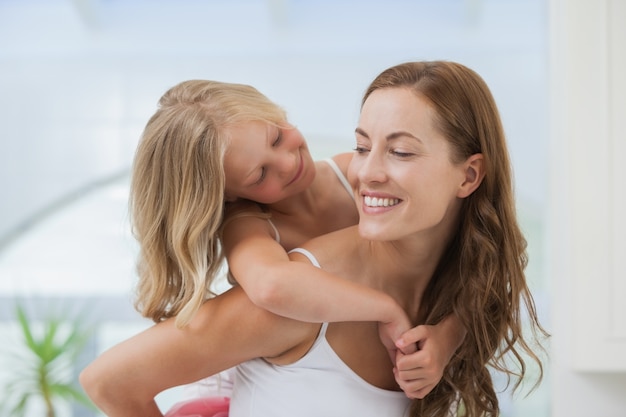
pixel 380 202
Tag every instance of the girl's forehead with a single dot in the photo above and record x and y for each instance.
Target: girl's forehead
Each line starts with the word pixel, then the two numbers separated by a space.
pixel 246 132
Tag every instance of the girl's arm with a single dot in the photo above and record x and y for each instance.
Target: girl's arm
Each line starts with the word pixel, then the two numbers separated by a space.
pixel 226 331
pixel 300 290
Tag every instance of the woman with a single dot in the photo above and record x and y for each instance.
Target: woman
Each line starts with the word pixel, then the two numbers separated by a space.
pixel 437 233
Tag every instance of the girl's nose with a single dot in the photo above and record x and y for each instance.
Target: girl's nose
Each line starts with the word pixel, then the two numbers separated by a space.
pixel 287 164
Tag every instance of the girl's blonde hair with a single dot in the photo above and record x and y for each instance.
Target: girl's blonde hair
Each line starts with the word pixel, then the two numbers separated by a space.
pixel 481 277
pixel 177 192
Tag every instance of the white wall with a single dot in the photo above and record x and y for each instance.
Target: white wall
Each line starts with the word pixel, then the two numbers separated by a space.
pixel 587 205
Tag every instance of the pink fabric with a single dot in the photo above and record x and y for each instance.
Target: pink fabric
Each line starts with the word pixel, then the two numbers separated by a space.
pixel 200 407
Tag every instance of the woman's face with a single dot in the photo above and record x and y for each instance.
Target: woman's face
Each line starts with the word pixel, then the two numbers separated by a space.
pixel 265 163
pixel 405 181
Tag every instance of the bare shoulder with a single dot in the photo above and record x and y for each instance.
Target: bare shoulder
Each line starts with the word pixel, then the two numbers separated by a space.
pixel 243 221
pixel 343 160
pixel 241 206
pixel 334 251
pixel 246 211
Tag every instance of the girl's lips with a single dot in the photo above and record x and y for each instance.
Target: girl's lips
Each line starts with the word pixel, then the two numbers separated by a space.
pixel 298 172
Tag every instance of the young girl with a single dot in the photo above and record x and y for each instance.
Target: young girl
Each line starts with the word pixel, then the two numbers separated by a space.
pixel 220 161
pixel 437 233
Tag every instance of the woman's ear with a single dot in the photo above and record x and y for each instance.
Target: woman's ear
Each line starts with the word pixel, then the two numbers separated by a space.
pixel 474 173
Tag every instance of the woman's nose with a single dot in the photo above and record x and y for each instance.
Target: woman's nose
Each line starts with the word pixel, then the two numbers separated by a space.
pixel 372 169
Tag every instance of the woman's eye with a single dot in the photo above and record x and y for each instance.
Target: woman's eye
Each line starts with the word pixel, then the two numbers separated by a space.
pixel 401 154
pixel 261 177
pixel 360 149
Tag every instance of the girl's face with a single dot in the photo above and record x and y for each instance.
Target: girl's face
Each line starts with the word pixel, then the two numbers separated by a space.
pixel 265 163
pixel 405 180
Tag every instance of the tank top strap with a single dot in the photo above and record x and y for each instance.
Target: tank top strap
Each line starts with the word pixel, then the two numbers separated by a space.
pixel 340 176
pixel 308 255
pixel 275 229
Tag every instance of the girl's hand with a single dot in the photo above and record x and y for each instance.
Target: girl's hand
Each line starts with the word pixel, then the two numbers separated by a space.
pixel 391 332
pixel 418 373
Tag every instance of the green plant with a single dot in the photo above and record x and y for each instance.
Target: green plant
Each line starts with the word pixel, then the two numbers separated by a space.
pixel 43 364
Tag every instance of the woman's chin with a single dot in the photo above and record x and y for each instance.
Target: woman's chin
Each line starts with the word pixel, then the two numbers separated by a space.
pixel 371 231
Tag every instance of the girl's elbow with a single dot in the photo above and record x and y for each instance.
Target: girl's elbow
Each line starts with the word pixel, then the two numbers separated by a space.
pixel 268 295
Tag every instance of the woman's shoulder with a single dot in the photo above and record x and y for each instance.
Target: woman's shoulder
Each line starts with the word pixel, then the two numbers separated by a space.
pixel 327 247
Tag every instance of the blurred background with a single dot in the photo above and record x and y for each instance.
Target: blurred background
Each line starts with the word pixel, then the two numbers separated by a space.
pixel 79 80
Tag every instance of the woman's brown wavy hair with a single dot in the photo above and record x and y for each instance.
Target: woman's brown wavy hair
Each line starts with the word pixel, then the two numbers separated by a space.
pixel 177 192
pixel 481 277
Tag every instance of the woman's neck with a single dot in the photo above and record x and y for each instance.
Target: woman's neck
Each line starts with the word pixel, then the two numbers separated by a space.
pixel 403 269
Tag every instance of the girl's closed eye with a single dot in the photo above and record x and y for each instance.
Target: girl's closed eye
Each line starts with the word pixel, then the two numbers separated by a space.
pixel 360 149
pixel 278 139
pixel 261 177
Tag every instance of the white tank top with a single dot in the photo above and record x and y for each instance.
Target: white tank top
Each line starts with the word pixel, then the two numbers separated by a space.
pixel 319 384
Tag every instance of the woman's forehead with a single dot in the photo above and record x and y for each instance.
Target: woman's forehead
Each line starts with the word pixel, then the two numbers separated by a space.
pixel 396 109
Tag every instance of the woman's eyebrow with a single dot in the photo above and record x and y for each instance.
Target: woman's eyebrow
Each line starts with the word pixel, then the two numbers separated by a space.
pixel 361 132
pixel 402 133
pixel 391 136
